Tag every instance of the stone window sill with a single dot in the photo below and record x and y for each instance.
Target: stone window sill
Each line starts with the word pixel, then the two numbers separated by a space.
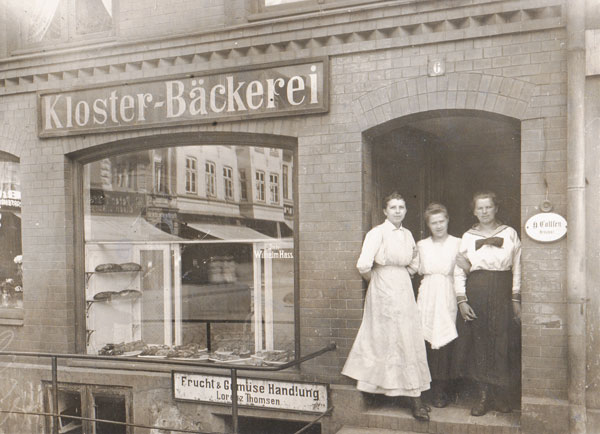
pixel 11 316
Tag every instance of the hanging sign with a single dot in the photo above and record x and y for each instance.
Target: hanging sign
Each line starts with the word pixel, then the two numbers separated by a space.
pixel 251 392
pixel 275 89
pixel 546 227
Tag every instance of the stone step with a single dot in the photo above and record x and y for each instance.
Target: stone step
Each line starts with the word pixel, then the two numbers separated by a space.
pixel 449 420
pixel 361 430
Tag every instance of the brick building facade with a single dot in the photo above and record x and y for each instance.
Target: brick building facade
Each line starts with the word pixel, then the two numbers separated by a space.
pixel 496 111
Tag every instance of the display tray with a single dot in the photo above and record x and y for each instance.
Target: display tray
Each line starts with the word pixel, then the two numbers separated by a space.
pixel 231 361
pixel 275 363
pixel 196 359
pixel 131 353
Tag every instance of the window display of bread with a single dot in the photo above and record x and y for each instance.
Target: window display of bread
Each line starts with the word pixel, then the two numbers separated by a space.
pixel 229 353
pixel 187 351
pixel 104 295
pixel 122 348
pixel 273 355
pixel 130 266
pixel 108 268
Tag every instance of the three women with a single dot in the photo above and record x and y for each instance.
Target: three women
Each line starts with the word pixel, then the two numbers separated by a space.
pixel 388 355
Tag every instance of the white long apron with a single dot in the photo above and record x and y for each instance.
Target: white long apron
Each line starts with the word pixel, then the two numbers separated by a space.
pixel 388 355
pixel 436 300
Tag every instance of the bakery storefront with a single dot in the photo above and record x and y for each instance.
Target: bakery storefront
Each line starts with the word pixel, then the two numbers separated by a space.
pixel 203 198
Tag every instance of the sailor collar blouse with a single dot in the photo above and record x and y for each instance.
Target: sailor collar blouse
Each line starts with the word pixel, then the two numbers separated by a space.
pixel 487 255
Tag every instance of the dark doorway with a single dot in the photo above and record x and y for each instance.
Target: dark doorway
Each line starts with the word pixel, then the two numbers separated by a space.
pixel 446 156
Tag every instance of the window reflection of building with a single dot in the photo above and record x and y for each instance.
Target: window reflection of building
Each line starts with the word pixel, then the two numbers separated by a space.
pixel 44 22
pixel 190 175
pixel 221 247
pixel 274 188
pixel 160 175
pixel 11 284
pixel 228 182
pixel 260 185
pixel 211 179
pixel 243 185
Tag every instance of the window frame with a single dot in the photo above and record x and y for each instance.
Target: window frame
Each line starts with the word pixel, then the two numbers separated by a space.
pixel 13 315
pixel 87 393
pixel 274 188
pixel 160 184
pixel 191 175
pixel 148 143
pixel 210 178
pixel 260 185
pixel 69 36
pixel 302 6
pixel 243 185
pixel 228 182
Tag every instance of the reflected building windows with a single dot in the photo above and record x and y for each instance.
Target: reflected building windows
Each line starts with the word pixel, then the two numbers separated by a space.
pixel 211 178
pixel 184 275
pixel 228 182
pixel 274 188
pixel 46 22
pixel 160 175
pixel 243 185
pixel 190 175
pixel 260 185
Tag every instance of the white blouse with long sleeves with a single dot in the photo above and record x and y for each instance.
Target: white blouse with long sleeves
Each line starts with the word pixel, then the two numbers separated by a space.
pixel 488 257
pixel 375 251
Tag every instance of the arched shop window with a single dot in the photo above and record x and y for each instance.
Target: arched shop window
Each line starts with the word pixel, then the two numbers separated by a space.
pixel 169 274
pixel 11 257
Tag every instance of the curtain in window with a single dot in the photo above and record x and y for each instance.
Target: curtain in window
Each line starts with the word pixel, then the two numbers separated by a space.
pixel 108 6
pixel 40 14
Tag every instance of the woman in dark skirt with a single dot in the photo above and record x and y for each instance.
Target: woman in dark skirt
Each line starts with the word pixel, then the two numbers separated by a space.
pixel 437 301
pixel 487 282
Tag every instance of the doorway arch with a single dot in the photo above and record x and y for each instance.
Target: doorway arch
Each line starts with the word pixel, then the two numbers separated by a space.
pixel 409 121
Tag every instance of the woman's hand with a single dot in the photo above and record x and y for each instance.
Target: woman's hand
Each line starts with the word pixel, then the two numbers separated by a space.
pixel 516 311
pixel 467 312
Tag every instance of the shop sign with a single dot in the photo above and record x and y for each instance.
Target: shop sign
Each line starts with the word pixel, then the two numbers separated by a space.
pixel 116 202
pixel 252 392
pixel 546 227
pixel 10 198
pixel 277 89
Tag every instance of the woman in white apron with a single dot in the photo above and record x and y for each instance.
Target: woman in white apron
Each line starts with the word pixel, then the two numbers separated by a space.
pixel 436 300
pixel 388 356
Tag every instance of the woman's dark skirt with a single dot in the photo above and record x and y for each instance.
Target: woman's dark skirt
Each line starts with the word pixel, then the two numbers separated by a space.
pixel 487 349
pixel 440 361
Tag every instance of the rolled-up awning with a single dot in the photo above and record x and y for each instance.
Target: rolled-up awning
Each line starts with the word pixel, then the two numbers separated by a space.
pixel 229 232
pixel 100 228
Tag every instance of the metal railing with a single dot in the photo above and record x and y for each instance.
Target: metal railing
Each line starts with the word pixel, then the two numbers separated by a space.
pixel 223 366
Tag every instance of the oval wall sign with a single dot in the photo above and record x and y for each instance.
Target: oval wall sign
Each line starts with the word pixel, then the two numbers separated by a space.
pixel 546 227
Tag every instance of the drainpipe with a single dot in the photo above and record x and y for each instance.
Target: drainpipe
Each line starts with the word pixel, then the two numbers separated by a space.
pixel 576 268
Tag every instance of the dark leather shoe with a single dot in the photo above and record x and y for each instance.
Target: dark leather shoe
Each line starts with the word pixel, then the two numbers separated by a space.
pixel 501 405
pixel 440 400
pixel 419 410
pixel 482 405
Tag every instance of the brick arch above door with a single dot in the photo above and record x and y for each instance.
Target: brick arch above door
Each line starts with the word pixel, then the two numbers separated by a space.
pixel 502 95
